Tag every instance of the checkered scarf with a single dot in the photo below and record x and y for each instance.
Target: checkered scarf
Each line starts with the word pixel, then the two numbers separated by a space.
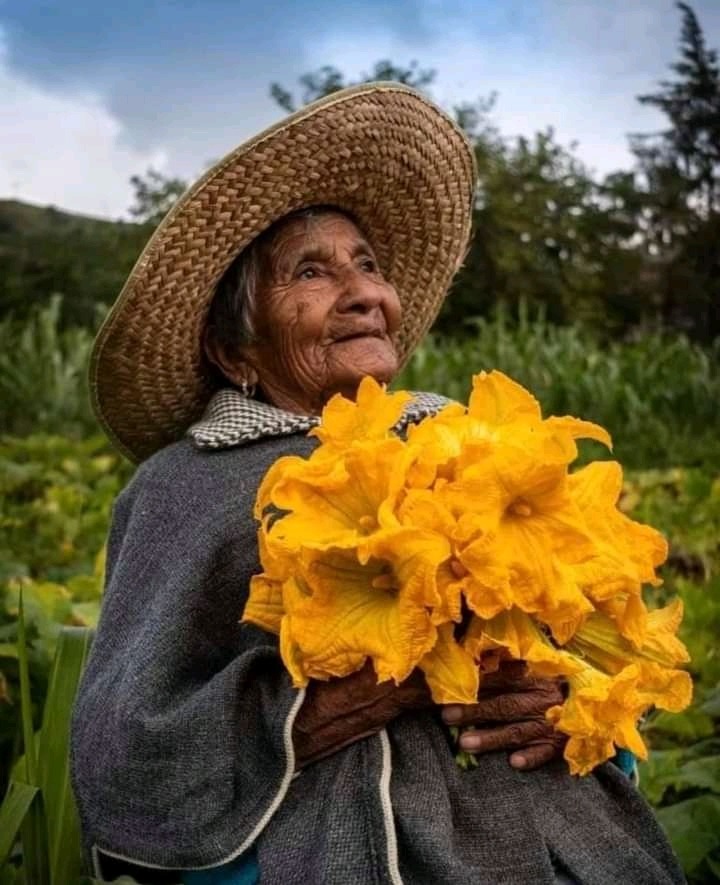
pixel 232 419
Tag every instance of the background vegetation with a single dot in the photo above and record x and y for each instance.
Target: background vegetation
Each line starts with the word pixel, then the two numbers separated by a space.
pixel 601 296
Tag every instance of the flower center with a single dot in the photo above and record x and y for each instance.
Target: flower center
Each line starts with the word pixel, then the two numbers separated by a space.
pixel 520 508
pixel 457 568
pixel 367 524
pixel 385 581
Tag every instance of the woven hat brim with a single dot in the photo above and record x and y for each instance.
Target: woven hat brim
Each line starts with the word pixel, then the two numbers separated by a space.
pixel 380 151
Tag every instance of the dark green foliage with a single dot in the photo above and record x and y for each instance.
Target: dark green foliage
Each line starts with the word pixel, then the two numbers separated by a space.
pixel 690 147
pixel 682 775
pixel 547 235
pixel 55 500
pixel 39 806
pixel 680 170
pixel 43 374
pixel 45 252
pixel 155 194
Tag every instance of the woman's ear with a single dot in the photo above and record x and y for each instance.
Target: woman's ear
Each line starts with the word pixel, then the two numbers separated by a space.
pixel 234 368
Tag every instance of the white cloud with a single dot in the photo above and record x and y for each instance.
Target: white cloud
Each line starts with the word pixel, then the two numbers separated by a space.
pixel 65 150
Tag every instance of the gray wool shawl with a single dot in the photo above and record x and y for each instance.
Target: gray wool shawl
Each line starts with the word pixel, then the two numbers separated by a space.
pixel 182 754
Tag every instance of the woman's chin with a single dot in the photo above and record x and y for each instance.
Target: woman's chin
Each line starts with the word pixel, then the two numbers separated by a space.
pixel 357 358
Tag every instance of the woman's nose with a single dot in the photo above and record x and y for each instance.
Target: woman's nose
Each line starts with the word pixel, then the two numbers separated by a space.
pixel 360 293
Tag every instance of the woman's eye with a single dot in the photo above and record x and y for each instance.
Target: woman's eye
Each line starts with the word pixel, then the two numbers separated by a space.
pixel 368 265
pixel 307 273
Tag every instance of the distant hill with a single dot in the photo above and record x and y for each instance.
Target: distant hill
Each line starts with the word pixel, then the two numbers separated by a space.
pixel 44 250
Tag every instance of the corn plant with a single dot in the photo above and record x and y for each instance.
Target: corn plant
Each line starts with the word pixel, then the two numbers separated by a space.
pixel 43 372
pixel 39 828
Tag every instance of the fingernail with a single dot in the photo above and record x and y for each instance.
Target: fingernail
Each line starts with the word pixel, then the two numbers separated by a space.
pixel 452 714
pixel 469 741
pixel 518 761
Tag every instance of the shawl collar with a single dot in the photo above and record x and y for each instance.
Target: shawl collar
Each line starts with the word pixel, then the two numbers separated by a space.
pixel 232 419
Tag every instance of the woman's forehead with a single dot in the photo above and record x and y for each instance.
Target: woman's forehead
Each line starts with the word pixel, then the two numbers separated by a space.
pixel 316 235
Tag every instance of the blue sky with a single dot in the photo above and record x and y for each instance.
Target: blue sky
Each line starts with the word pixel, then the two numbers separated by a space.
pixel 92 92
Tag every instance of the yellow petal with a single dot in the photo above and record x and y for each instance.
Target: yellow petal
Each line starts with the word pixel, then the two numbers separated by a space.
pixel 515 631
pixel 579 429
pixel 628 552
pixel 341 509
pixel 599 641
pixel 337 616
pixel 264 606
pixel 600 713
pixel 670 690
pixel 597 485
pixel 497 399
pixel 486 587
pixel 661 643
pixel 369 417
pixel 630 615
pixel 450 671
pixel 449 590
pixel 414 556
pixel 293 659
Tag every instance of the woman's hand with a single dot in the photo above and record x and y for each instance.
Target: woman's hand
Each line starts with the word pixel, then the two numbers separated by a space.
pixel 510 715
pixel 341 711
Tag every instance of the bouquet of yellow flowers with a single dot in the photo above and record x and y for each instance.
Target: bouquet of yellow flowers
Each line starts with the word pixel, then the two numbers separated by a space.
pixel 468 540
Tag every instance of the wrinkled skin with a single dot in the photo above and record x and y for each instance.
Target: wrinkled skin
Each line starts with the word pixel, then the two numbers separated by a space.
pixel 326 317
pixel 510 715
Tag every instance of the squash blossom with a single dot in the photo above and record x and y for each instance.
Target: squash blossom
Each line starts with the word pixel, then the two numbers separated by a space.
pixel 470 540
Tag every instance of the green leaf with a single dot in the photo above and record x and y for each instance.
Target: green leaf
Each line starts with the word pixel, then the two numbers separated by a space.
pixel 707 747
pixel 85 588
pixel 714 867
pixel 44 601
pixel 33 835
pixel 25 698
pixel 64 841
pixel 11 876
pixel 15 806
pixel 658 773
pixel 701 773
pixel 712 704
pixel 86 613
pixel 693 827
pixel 688 726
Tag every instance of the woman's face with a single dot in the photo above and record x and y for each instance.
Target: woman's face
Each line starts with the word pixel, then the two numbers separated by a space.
pixel 325 316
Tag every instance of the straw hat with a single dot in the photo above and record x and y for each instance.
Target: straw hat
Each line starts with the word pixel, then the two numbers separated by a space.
pixel 381 151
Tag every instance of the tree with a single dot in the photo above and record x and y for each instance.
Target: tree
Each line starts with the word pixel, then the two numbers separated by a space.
pixel 155 195
pixel 328 79
pixel 547 236
pixel 680 167
pixel 691 103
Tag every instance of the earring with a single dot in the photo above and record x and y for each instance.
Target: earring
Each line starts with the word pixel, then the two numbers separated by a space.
pixel 247 390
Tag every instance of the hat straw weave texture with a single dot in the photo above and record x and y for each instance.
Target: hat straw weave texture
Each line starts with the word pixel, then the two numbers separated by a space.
pixel 380 151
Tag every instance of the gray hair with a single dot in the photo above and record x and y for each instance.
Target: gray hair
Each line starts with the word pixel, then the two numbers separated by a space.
pixel 231 322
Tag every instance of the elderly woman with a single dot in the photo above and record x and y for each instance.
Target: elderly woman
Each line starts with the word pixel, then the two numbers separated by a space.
pixel 313 256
